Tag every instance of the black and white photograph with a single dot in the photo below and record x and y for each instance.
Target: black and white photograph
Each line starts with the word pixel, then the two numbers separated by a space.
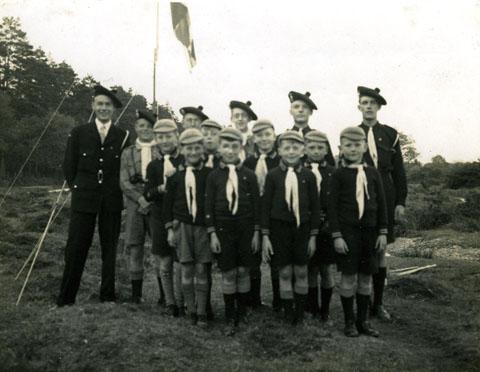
pixel 239 186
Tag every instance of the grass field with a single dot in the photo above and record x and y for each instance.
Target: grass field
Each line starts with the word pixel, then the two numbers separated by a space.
pixel 436 314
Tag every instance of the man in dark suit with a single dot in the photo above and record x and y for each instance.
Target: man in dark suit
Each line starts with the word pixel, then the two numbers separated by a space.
pixel 92 167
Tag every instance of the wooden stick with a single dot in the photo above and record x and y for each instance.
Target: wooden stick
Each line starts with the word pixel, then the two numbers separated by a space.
pixel 404 269
pixel 408 272
pixel 40 244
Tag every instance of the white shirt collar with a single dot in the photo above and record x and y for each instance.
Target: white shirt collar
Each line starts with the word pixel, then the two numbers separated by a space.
pixel 99 124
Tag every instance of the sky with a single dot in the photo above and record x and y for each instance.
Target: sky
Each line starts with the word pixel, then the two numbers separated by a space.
pixel 423 55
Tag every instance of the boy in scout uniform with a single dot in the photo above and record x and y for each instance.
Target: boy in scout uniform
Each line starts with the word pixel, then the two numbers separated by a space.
pixel 240 115
pixel 323 261
pixel 264 160
pixel 192 117
pixel 184 216
pixel 133 174
pixel 232 218
pixel 301 108
pixel 158 171
pixel 357 217
pixel 92 170
pixel 385 154
pixel 290 221
pixel 210 131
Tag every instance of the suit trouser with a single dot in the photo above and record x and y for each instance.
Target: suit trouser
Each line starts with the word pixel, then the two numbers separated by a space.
pixel 80 236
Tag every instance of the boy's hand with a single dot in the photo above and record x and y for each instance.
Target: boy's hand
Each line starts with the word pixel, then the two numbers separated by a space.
pixel 400 213
pixel 340 246
pixel 381 243
pixel 267 250
pixel 171 238
pixel 143 202
pixel 161 188
pixel 215 243
pixel 312 246
pixel 255 242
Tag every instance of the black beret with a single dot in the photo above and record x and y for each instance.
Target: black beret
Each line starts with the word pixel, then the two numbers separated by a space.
pixel 374 93
pixel 245 107
pixel 102 91
pixel 151 118
pixel 194 110
pixel 295 96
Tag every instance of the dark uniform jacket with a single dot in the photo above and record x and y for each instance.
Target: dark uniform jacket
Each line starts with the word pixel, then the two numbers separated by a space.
pixel 329 157
pixel 390 166
pixel 92 169
pixel 342 203
pixel 216 203
pixel 274 205
pixel 175 205
pixel 155 179
pixel 326 171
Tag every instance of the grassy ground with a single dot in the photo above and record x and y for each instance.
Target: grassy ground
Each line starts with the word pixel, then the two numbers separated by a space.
pixel 436 314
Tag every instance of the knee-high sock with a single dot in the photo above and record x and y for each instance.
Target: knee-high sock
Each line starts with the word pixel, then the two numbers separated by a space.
pixel 201 294
pixel 347 304
pixel 379 286
pixel 326 296
pixel 229 300
pixel 189 296
pixel 312 303
pixel 362 307
pixel 167 285
pixel 137 288
pixel 160 288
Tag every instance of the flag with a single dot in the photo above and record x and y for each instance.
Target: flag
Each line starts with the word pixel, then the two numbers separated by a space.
pixel 181 26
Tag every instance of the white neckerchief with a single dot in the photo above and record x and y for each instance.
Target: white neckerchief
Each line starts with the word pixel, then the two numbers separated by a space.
pixel 168 168
pixel 232 188
pixel 261 171
pixel 103 128
pixel 372 146
pixel 318 175
pixel 145 155
pixel 209 162
pixel 361 188
pixel 191 192
pixel 291 193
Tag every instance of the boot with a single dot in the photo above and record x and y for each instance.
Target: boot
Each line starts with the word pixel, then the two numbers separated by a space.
pixel 137 291
pixel 242 302
pixel 350 330
pixel 231 324
pixel 326 296
pixel 377 309
pixel 362 324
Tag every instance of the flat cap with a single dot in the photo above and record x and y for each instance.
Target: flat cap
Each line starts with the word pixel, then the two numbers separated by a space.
pixel 146 115
pixel 231 134
pixel 165 126
pixel 245 107
pixel 374 93
pixel 292 136
pixel 262 124
pixel 102 91
pixel 295 96
pixel 190 135
pixel 194 110
pixel 210 124
pixel 353 133
pixel 315 136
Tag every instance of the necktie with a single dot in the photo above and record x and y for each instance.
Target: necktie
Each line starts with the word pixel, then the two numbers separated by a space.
pixel 318 175
pixel 361 188
pixel 261 172
pixel 191 192
pixel 145 155
pixel 210 161
pixel 372 147
pixel 291 194
pixel 232 189
pixel 103 133
pixel 242 155
pixel 168 168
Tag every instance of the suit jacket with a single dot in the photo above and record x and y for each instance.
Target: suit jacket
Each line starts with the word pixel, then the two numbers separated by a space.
pixel 92 169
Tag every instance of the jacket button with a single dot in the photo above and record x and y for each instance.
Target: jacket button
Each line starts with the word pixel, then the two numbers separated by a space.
pixel 84 154
pixel 100 160
pixel 75 186
pixel 102 148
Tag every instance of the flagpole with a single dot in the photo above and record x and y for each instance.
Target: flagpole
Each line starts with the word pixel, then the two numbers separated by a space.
pixel 155 54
